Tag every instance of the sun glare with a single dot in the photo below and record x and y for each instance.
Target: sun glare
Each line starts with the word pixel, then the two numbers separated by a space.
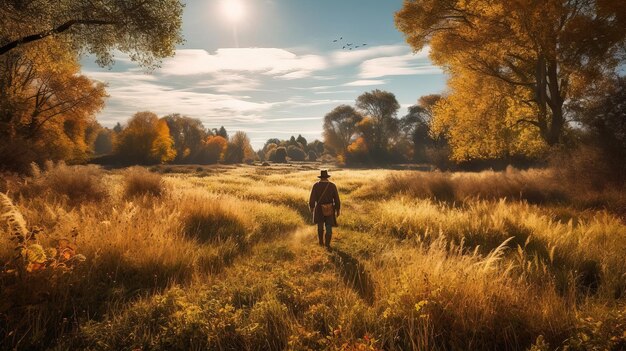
pixel 234 10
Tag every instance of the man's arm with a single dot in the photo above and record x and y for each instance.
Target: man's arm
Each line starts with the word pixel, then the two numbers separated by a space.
pixel 312 198
pixel 337 201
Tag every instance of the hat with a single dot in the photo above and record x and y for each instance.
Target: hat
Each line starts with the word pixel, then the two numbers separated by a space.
pixel 323 174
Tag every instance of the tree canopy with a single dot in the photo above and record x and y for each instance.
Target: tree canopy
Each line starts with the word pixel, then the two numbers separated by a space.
pixel 146 30
pixel 545 51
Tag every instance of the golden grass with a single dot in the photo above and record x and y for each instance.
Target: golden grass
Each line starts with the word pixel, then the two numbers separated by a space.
pixel 224 260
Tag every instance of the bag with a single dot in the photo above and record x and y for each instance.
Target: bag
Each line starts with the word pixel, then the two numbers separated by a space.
pixel 327 209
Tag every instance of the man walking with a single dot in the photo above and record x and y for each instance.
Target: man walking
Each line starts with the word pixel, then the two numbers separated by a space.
pixel 325 206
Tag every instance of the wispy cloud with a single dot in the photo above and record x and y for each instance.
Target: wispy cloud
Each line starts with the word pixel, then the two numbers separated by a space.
pixel 270 61
pixel 364 83
pixel 402 65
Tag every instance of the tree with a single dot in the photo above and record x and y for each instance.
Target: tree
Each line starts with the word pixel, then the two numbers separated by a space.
pixel 118 128
pixel 163 145
pixel 490 128
pixel 239 148
pixel 146 139
pixel 340 126
pixel 279 155
pixel 188 134
pixel 312 156
pixel 381 107
pixel 213 150
pixel 221 132
pixel 544 51
pixel 146 30
pixel 103 145
pixel 301 140
pixel 295 153
pixel 415 126
pixel 46 105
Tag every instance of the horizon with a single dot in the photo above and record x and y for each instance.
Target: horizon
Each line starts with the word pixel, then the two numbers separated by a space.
pixel 268 81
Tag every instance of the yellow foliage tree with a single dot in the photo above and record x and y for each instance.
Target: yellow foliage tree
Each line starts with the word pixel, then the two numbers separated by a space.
pixel 145 139
pixel 481 128
pixel 47 107
pixel 546 50
pixel 163 145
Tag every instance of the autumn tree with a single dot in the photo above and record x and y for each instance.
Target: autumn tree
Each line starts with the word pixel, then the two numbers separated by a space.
pixel 415 126
pixel 381 107
pixel 146 139
pixel 544 52
pixel 188 134
pixel 340 126
pixel 239 148
pixel 146 30
pixel 213 150
pixel 103 145
pixel 46 105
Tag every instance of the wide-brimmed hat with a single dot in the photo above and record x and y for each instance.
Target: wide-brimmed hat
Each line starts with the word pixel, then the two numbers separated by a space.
pixel 323 174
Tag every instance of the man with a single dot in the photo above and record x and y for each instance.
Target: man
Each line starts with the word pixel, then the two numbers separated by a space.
pixel 325 206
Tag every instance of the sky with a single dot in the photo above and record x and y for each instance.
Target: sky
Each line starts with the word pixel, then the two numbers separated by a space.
pixel 276 71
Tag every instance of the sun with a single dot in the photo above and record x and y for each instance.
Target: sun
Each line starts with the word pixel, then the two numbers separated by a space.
pixel 233 10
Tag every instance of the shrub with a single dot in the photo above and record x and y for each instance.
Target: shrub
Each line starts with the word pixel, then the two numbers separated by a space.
pixel 312 156
pixel 75 183
pixel 295 153
pixel 138 181
pixel 278 155
pixel 207 221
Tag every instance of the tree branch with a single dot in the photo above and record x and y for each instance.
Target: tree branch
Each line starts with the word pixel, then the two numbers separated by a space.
pixel 60 29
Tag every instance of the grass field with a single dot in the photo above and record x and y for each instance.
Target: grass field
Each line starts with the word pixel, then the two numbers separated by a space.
pixel 224 258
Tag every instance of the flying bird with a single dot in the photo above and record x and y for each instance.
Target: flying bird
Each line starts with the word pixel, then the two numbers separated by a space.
pixel 334 41
pixel 350 44
pixel 363 44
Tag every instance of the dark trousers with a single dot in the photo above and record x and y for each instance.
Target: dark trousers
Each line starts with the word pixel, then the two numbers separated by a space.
pixel 328 223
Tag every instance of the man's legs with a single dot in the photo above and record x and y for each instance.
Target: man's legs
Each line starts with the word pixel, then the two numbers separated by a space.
pixel 320 233
pixel 329 229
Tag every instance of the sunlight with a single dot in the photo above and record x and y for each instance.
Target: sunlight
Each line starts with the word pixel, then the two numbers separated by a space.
pixel 234 10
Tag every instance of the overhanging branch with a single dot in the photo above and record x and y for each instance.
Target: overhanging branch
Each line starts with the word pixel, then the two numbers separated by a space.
pixel 60 29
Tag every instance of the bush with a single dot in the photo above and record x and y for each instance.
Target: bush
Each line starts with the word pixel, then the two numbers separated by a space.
pixel 76 183
pixel 295 153
pixel 138 181
pixel 278 155
pixel 312 156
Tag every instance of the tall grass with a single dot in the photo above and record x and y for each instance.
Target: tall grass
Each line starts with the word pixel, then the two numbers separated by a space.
pixel 226 261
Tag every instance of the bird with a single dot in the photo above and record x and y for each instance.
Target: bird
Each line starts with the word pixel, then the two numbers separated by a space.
pixel 363 44
pixel 350 48
pixel 334 41
pixel 356 47
pixel 349 44
pixel 344 47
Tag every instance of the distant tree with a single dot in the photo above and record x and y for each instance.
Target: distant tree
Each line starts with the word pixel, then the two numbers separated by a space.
pixel 357 152
pixel 279 155
pixel 538 53
pixel 213 150
pixel 188 134
pixel 301 140
pixel 103 145
pixel 317 146
pixel 221 132
pixel 312 156
pixel 271 141
pixel 163 145
pixel 415 127
pixel 295 153
pixel 118 128
pixel 147 31
pixel 239 148
pixel 145 139
pixel 381 107
pixel 340 126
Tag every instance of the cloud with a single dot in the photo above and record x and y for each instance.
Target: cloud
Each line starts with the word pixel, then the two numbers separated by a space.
pixel 348 57
pixel 365 82
pixel 408 64
pixel 269 61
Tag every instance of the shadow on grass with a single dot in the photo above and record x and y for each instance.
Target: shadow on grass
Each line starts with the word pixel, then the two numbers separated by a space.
pixel 353 273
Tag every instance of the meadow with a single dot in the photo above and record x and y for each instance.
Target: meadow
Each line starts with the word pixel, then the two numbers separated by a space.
pixel 225 258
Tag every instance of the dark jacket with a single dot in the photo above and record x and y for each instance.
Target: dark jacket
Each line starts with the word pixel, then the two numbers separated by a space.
pixel 331 196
